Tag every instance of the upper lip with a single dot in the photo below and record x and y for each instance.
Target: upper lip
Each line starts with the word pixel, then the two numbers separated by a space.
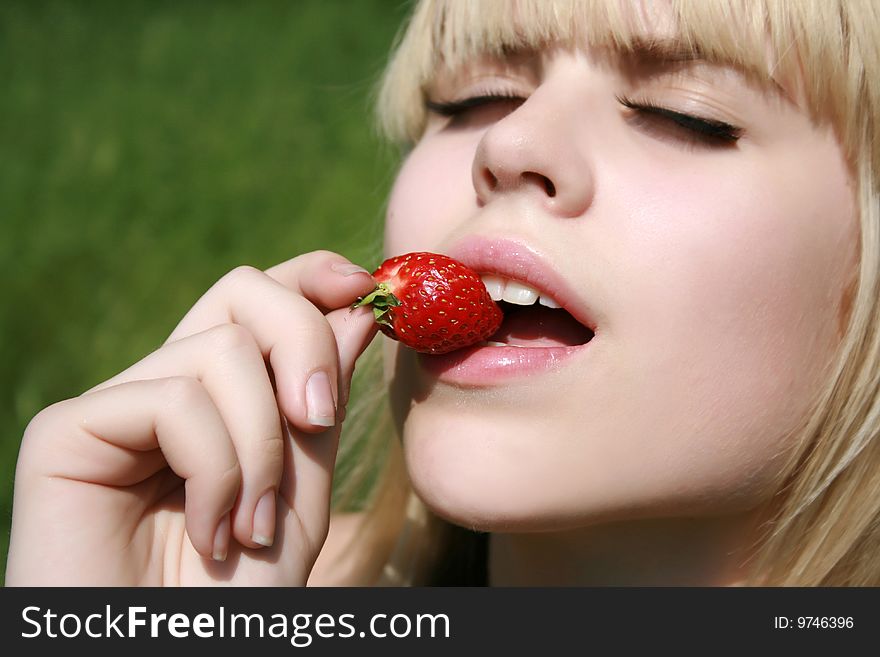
pixel 516 260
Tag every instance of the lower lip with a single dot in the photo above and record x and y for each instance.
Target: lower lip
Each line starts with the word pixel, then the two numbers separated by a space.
pixel 484 366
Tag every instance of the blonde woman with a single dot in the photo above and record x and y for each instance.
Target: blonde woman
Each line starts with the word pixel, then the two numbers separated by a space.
pixel 696 182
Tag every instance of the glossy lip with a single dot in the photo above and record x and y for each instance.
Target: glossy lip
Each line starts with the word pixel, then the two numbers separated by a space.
pixel 475 367
pixel 485 366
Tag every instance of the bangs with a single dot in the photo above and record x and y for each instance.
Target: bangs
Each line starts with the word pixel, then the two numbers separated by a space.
pixel 817 46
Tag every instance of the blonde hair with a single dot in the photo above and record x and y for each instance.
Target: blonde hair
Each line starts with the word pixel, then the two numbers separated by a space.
pixel 822 527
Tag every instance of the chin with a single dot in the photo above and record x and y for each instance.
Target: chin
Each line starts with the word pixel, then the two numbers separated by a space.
pixel 468 508
pixel 463 470
pixel 489 476
pixel 484 475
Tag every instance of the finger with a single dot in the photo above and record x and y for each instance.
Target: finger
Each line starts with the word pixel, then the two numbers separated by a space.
pixel 291 333
pixel 314 460
pixel 228 362
pixel 354 330
pixel 327 279
pixel 111 436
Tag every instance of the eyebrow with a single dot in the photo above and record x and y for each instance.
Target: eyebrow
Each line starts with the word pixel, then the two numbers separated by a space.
pixel 672 50
pixel 665 50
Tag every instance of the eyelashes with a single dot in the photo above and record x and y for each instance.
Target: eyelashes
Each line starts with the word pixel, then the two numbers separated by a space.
pixel 458 107
pixel 645 114
pixel 708 130
pixel 477 110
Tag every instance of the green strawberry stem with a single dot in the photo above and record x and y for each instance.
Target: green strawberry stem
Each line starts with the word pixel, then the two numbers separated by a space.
pixel 382 300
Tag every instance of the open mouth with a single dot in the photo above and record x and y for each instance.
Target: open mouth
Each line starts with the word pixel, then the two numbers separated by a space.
pixel 531 318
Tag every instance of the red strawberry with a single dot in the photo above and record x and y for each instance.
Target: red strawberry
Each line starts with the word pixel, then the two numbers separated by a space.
pixel 432 303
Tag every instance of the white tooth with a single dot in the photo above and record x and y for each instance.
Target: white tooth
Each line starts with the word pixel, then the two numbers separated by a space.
pixel 494 285
pixel 550 302
pixel 490 343
pixel 519 293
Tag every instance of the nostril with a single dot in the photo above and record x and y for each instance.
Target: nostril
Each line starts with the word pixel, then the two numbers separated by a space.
pixel 544 181
pixel 491 180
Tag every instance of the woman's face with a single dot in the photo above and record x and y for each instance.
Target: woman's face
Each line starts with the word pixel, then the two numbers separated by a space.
pixel 711 269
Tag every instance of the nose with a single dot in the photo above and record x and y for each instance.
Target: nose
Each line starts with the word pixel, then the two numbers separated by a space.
pixel 533 151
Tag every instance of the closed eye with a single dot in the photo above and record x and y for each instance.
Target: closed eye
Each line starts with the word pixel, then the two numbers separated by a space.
pixel 690 129
pixel 473 109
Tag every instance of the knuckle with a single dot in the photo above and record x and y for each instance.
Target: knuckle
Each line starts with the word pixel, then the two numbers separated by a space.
pixel 182 392
pixel 314 328
pixel 242 275
pixel 243 271
pixel 231 337
pixel 317 254
pixel 46 425
pixel 270 449
pixel 47 416
pixel 318 260
pixel 231 477
pixel 323 254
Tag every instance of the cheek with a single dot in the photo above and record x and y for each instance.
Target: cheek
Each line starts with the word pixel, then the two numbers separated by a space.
pixel 431 195
pixel 729 315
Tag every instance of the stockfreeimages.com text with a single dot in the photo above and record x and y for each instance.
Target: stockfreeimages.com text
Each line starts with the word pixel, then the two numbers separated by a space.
pixel 300 629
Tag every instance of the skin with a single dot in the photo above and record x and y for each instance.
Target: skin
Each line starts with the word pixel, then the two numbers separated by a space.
pixel 716 273
pixel 195 466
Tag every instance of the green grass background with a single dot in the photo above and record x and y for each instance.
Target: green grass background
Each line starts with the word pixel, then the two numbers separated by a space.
pixel 149 147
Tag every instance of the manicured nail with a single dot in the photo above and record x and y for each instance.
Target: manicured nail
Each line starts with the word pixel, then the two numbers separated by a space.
pixel 347 269
pixel 264 520
pixel 221 539
pixel 319 400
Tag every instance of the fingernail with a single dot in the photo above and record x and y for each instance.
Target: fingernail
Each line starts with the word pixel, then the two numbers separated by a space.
pixel 264 520
pixel 347 269
pixel 221 539
pixel 319 400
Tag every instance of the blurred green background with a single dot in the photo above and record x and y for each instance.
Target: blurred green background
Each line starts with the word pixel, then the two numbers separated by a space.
pixel 148 148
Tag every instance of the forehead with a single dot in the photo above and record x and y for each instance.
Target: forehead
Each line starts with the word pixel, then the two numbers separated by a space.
pixel 646 31
pixel 795 46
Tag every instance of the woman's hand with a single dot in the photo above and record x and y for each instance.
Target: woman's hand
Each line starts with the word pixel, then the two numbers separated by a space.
pixel 210 460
